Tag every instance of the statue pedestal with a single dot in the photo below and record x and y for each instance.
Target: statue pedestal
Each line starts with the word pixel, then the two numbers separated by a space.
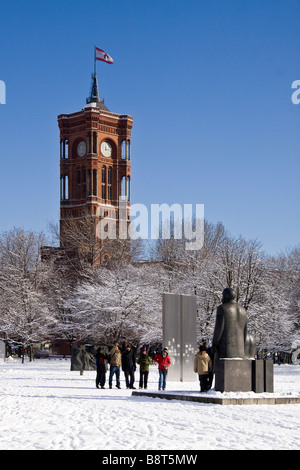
pixel 258 383
pixel 268 376
pixel 233 375
pixel 244 375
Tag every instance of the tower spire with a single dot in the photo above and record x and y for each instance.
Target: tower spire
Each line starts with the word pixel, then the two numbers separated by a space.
pixel 94 94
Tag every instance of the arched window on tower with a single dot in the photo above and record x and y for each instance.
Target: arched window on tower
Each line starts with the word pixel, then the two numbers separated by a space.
pixel 95 140
pixel 78 182
pixel 125 188
pixel 88 183
pixel 109 183
pixel 94 190
pixel 126 150
pixel 83 182
pixel 103 183
pixel 64 149
pixel 128 188
pixel 89 143
pixel 64 188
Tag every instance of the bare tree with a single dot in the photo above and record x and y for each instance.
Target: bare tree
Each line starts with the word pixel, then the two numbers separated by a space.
pixel 118 303
pixel 26 314
pixel 82 249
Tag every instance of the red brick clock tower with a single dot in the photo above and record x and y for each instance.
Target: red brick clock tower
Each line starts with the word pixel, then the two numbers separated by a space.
pixel 94 162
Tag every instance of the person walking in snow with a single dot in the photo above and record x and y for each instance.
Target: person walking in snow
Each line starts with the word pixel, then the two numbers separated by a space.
pixel 164 363
pixel 115 362
pixel 144 362
pixel 203 367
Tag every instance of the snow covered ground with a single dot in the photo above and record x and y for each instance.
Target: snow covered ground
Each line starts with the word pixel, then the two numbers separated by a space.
pixel 46 406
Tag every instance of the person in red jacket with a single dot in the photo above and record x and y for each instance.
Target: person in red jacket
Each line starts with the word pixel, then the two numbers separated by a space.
pixel 164 362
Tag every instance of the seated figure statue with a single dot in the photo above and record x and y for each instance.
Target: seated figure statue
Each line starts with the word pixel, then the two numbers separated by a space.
pixel 231 339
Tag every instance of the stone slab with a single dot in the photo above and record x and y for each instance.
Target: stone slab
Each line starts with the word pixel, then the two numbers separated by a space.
pixel 258 383
pixel 219 400
pixel 268 376
pixel 179 322
pixel 233 375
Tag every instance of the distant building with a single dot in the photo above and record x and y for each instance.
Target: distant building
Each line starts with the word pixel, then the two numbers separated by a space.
pixel 95 154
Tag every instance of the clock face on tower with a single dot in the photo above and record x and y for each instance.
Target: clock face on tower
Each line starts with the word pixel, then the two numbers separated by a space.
pixel 81 148
pixel 106 149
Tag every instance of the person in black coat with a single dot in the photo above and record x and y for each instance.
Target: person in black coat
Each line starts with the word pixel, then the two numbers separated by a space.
pixel 128 366
pixel 101 364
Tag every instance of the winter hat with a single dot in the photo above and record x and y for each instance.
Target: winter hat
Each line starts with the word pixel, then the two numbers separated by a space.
pixel 165 349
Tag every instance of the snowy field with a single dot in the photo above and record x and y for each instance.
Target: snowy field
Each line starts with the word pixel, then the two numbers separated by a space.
pixel 44 406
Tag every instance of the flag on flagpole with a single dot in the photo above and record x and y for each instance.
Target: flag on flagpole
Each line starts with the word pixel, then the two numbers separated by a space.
pixel 101 55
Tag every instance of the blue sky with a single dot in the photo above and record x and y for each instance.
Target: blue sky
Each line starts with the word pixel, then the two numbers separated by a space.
pixel 207 82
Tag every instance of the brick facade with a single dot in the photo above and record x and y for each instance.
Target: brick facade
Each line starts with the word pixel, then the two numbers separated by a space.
pixel 94 163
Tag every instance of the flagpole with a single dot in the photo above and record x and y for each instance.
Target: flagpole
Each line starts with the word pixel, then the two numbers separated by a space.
pixel 94 60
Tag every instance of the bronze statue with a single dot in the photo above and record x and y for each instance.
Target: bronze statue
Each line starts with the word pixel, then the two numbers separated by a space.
pixel 231 339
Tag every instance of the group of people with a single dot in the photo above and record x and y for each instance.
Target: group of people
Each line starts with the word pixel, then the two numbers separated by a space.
pixel 125 358
pixel 231 339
